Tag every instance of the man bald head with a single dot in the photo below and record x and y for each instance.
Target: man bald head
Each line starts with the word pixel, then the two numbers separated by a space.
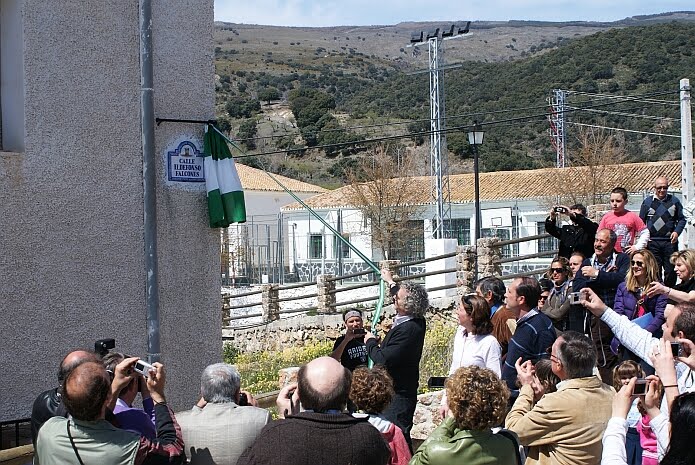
pixel 661 187
pixel 73 359
pixel 85 391
pixel 323 384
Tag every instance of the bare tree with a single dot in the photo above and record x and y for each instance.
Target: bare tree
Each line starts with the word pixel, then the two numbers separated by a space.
pixel 384 189
pixel 595 169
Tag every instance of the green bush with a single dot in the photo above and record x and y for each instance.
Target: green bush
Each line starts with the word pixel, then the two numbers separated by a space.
pixel 437 352
pixel 259 370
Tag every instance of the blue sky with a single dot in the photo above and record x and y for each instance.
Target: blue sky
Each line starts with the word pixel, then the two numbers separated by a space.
pixel 385 12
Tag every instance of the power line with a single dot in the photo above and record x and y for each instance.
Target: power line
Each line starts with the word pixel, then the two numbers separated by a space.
pixel 447 130
pixel 464 115
pixel 399 123
pixel 622 97
pixel 623 130
pixel 632 115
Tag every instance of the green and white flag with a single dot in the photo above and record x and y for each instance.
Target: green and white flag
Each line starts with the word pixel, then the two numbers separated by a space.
pixel 225 195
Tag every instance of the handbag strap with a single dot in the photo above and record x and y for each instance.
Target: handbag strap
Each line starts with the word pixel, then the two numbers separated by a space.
pixel 72 442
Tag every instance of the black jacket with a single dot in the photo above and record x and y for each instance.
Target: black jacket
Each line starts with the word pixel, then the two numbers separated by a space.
pixel 573 238
pixel 47 405
pixel 400 353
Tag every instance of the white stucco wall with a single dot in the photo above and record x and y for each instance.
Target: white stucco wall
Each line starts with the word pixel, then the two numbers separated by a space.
pixel 71 206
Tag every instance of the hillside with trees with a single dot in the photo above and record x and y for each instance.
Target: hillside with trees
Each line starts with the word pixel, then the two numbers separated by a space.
pixel 328 98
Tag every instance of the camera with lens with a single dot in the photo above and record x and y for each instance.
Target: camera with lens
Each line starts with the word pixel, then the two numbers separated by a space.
pixel 102 346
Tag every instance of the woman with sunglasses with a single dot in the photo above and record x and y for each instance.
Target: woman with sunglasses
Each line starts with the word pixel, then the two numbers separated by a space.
pixel 684 264
pixel 473 342
pixel 633 301
pixel 557 304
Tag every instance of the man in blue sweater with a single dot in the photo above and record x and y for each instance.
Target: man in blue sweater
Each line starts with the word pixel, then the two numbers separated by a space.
pixel 663 215
pixel 534 330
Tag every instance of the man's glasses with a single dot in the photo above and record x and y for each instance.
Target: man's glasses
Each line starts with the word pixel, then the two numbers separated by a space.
pixel 661 188
pixel 557 270
pixel 552 357
pixel 637 263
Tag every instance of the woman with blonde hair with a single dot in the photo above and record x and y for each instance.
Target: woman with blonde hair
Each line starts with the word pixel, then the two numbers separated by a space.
pixel 633 300
pixel 684 265
pixel 477 400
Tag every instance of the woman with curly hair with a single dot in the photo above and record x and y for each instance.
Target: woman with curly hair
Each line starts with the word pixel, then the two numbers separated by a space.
pixel 477 401
pixel 371 391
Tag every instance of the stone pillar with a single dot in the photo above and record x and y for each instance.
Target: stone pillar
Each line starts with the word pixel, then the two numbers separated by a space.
pixel 270 302
pixel 488 252
pixel 465 269
pixel 326 299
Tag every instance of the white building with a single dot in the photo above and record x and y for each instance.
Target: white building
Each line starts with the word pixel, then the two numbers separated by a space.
pixel 514 204
pixel 255 248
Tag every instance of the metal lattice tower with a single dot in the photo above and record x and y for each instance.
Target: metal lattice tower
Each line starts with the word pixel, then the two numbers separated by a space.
pixel 557 126
pixel 439 155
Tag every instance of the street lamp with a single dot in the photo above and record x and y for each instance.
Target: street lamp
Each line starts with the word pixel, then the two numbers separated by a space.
pixel 475 138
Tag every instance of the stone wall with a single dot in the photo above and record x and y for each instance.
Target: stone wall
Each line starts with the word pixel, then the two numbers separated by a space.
pixel 426 416
pixel 303 330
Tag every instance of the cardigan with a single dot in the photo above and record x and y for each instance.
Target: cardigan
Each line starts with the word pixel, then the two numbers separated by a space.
pixel 400 353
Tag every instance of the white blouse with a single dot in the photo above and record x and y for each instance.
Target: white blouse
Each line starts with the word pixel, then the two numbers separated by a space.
pixel 469 349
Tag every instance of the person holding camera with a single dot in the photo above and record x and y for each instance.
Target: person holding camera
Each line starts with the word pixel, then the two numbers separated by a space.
pixel 87 438
pixel 139 421
pixel 350 349
pixel 678 331
pixel 222 425
pixel 575 237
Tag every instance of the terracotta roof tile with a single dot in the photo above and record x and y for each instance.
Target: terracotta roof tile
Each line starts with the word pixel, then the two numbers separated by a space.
pixel 253 179
pixel 530 184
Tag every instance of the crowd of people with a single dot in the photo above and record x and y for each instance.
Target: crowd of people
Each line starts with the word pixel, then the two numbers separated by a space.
pixel 592 364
